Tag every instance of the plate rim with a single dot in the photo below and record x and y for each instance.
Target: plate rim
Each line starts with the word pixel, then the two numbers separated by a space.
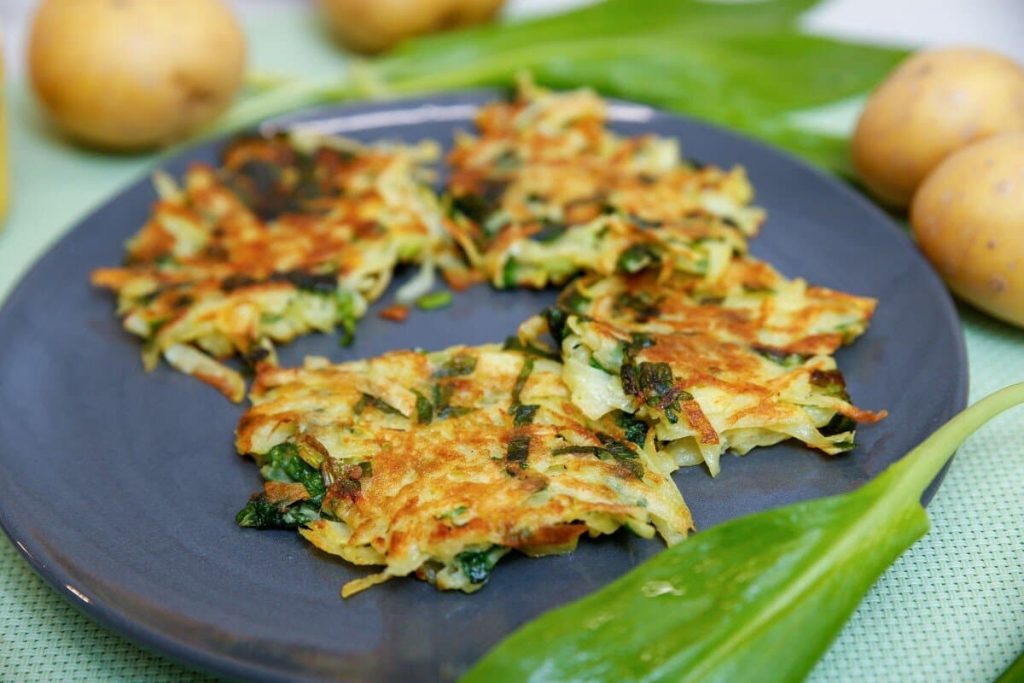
pixel 210 660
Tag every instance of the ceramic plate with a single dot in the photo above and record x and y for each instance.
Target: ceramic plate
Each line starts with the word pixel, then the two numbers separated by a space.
pixel 120 487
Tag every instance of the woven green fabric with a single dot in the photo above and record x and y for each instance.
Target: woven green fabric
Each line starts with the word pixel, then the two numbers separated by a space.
pixel 951 609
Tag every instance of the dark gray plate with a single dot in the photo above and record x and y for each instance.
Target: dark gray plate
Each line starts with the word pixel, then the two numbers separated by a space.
pixel 120 487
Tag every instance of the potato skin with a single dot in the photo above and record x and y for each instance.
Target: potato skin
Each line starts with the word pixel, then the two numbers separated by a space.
pixel 134 74
pixel 968 217
pixel 934 103
pixel 370 26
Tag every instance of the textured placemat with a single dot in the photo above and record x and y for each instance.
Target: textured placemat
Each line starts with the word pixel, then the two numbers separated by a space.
pixel 951 609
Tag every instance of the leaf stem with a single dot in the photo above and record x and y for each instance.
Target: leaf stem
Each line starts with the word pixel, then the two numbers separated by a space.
pixel 913 474
pixel 289 95
pixel 1014 673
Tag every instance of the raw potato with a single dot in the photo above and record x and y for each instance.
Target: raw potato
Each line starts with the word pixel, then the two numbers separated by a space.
pixel 934 103
pixel 375 25
pixel 968 217
pixel 133 74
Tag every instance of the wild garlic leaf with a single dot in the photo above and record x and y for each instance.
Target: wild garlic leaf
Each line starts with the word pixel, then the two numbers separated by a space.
pixel 762 593
pixel 740 64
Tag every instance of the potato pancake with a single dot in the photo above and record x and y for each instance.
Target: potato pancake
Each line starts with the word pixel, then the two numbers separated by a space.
pixel 289 235
pixel 437 464
pixel 735 370
pixel 545 190
pixel 750 303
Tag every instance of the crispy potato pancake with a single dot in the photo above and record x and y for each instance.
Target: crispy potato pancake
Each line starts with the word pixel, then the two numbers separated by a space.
pixel 751 303
pixel 437 464
pixel 289 235
pixel 742 368
pixel 545 190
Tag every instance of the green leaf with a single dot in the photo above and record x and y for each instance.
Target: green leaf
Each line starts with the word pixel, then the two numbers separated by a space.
pixel 766 592
pixel 259 513
pixel 609 19
pixel 434 301
pixel 740 64
pixel 1014 673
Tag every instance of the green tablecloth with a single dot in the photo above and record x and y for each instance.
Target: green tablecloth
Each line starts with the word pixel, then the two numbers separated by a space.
pixel 951 609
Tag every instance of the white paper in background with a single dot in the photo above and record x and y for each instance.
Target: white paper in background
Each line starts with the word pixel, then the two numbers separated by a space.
pixel 995 24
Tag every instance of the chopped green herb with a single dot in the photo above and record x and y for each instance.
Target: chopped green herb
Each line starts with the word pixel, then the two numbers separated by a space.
pixel 518 453
pixel 623 454
pixel 368 401
pixel 638 343
pixel 849 331
pixel 434 301
pixel 510 272
pixel 257 354
pixel 156 324
pixel 495 222
pixel 757 289
pixel 515 344
pixel 779 356
pixel 610 448
pixel 283 463
pixel 549 231
pixel 524 374
pixel 839 424
pixel 442 408
pixel 654 385
pixel 556 319
pixel 655 381
pixel 424 410
pixel 508 160
pixel 644 307
pixel 645 223
pixel 345 312
pixel 260 513
pixel 524 414
pixel 452 411
pixel 454 515
pixel 637 258
pixel 476 566
pixel 575 302
pixel 457 366
pixel 633 429
pixel 831 381
pixel 594 363
pixel 471 206
pixel 478 207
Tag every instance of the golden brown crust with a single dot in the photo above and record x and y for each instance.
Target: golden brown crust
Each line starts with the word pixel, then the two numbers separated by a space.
pixel 546 190
pixel 286 237
pixel 472 449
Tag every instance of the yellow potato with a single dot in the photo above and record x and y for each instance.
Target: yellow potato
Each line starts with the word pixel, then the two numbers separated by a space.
pixel 132 74
pixel 968 217
pixel 934 103
pixel 375 25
